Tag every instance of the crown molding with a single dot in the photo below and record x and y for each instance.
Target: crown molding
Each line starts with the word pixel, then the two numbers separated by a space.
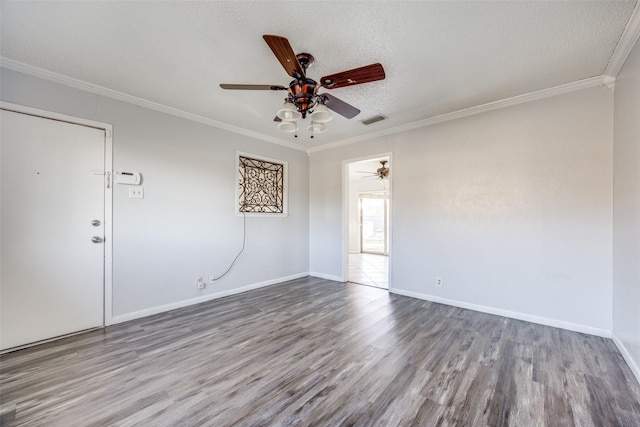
pixel 609 82
pixel 604 80
pixel 627 41
pixel 496 105
pixel 103 91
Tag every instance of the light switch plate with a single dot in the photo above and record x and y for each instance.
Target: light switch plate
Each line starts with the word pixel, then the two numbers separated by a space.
pixel 136 192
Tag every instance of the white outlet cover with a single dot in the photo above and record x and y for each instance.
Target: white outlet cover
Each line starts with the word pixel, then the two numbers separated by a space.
pixel 136 192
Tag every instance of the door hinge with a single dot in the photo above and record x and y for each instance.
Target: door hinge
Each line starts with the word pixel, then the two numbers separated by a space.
pixel 108 179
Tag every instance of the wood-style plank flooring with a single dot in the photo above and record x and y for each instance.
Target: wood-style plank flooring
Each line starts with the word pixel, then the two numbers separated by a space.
pixel 321 353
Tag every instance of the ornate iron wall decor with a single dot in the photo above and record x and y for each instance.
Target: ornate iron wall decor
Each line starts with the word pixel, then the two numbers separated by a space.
pixel 262 186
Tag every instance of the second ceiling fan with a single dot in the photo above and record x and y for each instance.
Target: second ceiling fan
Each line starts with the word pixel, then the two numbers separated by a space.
pixel 382 172
pixel 303 97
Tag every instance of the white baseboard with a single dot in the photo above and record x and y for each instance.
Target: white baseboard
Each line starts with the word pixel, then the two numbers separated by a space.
pixel 476 307
pixel 481 308
pixel 185 303
pixel 327 276
pixel 627 356
pixel 506 313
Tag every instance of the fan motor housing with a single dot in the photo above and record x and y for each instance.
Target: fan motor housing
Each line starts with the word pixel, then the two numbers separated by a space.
pixel 303 94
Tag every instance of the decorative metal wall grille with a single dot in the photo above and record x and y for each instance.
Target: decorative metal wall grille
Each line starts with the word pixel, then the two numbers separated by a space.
pixel 261 186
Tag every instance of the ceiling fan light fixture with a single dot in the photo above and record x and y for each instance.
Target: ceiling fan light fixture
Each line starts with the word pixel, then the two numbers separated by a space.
pixel 315 127
pixel 321 114
pixel 288 126
pixel 289 112
pixel 303 98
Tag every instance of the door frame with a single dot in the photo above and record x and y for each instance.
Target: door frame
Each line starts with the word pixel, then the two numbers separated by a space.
pixel 107 309
pixel 345 214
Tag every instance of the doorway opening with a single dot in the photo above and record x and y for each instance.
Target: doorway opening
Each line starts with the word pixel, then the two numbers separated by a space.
pixel 369 194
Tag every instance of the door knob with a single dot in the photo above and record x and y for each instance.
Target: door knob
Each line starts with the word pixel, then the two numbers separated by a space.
pixel 96 239
pixel 96 222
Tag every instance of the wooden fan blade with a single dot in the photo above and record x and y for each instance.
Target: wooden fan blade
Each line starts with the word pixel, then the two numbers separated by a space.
pixel 252 87
pixel 285 54
pixel 366 74
pixel 340 107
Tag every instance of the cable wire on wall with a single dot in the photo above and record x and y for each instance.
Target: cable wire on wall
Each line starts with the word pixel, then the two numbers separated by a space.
pixel 244 240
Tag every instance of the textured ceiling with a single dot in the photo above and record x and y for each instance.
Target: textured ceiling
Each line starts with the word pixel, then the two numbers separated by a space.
pixel 439 57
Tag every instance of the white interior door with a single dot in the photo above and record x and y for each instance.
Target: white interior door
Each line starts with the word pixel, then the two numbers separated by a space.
pixel 52 228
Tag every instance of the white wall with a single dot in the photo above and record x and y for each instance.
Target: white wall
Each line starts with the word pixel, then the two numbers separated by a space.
pixel 185 226
pixel 512 208
pixel 626 211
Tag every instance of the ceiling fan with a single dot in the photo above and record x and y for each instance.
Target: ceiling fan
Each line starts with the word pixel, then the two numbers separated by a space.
pixel 303 98
pixel 381 172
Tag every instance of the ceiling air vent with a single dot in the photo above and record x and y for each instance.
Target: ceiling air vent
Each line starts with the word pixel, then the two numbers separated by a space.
pixel 373 119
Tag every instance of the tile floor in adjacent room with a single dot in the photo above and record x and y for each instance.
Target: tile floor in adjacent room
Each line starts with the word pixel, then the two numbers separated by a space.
pixel 369 269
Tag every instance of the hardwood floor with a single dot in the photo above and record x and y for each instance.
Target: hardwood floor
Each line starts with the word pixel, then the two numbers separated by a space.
pixel 316 352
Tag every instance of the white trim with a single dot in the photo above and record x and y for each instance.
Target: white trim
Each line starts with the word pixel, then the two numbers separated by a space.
pixel 88 87
pixel 285 195
pixel 629 38
pixel 108 228
pixel 108 192
pixel 506 313
pixel 204 298
pixel 327 277
pixel 120 96
pixel 503 103
pixel 55 116
pixel 609 83
pixel 626 355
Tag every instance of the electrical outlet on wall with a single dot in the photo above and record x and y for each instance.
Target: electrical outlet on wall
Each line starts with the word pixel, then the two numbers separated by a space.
pixel 200 283
pixel 136 192
pixel 438 281
pixel 212 279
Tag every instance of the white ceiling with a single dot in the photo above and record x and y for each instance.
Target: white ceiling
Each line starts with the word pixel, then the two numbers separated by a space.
pixel 439 56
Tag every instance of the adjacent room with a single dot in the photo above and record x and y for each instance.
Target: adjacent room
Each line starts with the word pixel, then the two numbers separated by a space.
pixel 406 213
